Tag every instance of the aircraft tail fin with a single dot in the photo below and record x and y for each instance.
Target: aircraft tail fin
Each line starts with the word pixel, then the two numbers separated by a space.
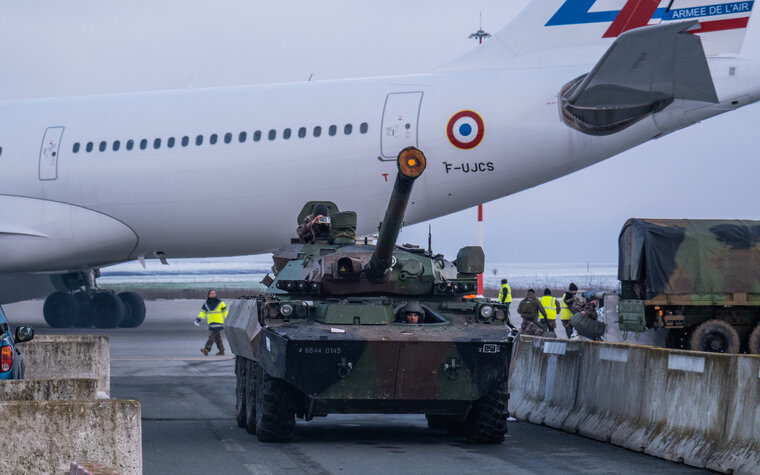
pixel 570 25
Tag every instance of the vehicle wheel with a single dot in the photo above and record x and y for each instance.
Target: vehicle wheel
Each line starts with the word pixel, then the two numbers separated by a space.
pixel 676 339
pixel 715 336
pixel 240 383
pixel 135 306
pixel 60 310
pixel 754 341
pixel 275 408
pixel 107 310
pixel 84 317
pixel 487 422
pixel 587 326
pixel 249 392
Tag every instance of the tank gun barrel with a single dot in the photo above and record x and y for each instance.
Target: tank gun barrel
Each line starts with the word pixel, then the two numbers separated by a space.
pixel 411 163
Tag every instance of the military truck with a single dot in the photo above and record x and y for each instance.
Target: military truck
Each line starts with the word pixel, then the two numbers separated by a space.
pixel 699 278
pixel 334 331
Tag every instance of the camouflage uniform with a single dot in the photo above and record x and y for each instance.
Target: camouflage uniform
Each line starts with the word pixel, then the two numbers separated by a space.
pixel 311 229
pixel 529 310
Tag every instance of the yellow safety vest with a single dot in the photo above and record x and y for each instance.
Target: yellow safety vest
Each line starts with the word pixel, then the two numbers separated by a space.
pixel 508 289
pixel 216 315
pixel 549 304
pixel 565 313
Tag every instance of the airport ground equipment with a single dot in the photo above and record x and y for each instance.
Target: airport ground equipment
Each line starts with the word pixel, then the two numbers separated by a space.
pixel 329 336
pixel 80 303
pixel 698 278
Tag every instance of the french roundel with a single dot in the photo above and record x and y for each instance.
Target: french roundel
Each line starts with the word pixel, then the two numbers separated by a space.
pixel 465 129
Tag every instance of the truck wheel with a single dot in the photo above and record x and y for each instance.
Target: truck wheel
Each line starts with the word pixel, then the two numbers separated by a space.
pixel 249 392
pixel 240 383
pixel 715 336
pixel 754 341
pixel 487 422
pixel 275 408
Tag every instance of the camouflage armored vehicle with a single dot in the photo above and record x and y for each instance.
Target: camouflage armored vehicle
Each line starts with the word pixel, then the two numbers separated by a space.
pixel 360 328
pixel 700 279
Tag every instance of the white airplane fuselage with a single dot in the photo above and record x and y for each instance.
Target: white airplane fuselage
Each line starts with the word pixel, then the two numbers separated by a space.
pixel 63 211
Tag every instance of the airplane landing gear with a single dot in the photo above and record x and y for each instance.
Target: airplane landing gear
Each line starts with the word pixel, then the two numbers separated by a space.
pixel 84 305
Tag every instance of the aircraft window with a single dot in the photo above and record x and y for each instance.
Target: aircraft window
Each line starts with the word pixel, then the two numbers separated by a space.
pixel 185 141
pixel 363 127
pixel 347 129
pixel 143 144
pixel 286 134
pixel 242 137
pixel 130 144
pixel 212 139
pixel 199 140
pixel 257 136
pixel 157 144
pixel 227 137
pixel 317 131
pixel 76 148
pixel 272 134
pixel 116 145
pixel 302 132
pixel 102 147
pixel 170 142
pixel 89 147
pixel 332 130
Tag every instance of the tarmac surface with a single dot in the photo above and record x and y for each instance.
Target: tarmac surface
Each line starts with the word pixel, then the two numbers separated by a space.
pixel 189 427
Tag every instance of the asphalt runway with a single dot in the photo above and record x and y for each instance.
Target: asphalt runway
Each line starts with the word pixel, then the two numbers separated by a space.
pixel 189 427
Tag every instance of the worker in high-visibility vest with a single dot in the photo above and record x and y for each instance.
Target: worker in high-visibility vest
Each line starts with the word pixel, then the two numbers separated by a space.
pixel 566 312
pixel 551 305
pixel 505 294
pixel 214 311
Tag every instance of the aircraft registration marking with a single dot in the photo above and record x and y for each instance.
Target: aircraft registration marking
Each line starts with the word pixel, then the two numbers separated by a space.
pixel 474 167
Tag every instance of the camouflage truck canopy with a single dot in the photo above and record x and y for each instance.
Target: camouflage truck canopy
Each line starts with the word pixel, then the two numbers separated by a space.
pixel 691 256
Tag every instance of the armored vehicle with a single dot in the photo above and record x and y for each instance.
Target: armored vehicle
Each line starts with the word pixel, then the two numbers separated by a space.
pixel 699 278
pixel 347 327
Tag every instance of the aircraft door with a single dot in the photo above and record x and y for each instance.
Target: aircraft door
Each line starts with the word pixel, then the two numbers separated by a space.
pixel 400 117
pixel 51 142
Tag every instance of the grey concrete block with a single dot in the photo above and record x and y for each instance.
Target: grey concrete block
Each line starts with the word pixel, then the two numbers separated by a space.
pixel 48 389
pixel 69 356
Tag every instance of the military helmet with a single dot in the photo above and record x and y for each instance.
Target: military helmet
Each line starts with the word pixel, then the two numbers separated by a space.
pixel 413 306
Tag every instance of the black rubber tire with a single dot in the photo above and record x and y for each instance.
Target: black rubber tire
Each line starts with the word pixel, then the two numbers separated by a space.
pixel 107 310
pixel 275 408
pixel 587 326
pixel 84 317
pixel 240 382
pixel 487 421
pixel 754 341
pixel 135 306
pixel 60 310
pixel 249 393
pixel 715 336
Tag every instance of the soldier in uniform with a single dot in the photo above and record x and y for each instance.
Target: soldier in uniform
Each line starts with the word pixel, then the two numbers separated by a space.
pixel 215 311
pixel 314 226
pixel 529 309
pixel 412 313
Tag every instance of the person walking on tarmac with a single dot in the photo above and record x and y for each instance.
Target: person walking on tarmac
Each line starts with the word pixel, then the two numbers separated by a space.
pixel 505 294
pixel 215 311
pixel 567 307
pixel 529 309
pixel 551 305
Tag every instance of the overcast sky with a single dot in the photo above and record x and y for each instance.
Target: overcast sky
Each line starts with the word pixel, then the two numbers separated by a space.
pixel 54 48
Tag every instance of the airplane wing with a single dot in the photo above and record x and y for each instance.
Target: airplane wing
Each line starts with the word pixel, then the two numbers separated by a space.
pixel 642 72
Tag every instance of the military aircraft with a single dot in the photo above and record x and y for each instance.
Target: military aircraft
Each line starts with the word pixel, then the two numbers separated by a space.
pixel 93 181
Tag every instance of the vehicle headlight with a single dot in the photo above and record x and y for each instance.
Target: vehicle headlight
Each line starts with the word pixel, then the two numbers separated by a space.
pixel 286 310
pixel 486 311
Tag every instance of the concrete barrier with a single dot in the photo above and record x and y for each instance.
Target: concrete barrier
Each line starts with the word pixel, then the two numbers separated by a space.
pixel 69 356
pixel 48 389
pixel 702 409
pixel 48 435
